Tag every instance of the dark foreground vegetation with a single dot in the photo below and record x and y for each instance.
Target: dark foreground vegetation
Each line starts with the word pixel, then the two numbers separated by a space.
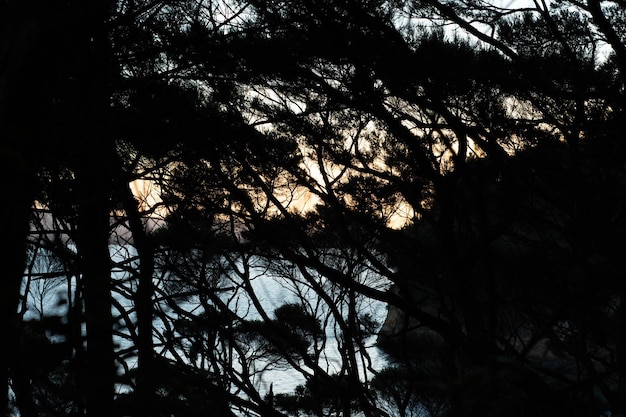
pixel 461 161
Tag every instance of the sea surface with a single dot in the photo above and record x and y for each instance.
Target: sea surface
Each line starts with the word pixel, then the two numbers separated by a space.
pixel 49 297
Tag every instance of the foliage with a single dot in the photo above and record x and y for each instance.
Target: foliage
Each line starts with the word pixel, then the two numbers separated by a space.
pixel 457 162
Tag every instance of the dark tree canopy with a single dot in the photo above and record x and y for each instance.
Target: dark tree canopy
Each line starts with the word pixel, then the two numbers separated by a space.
pixel 318 208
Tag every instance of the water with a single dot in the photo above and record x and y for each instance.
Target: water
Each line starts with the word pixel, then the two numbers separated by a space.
pixel 275 290
pixel 273 293
pixel 47 297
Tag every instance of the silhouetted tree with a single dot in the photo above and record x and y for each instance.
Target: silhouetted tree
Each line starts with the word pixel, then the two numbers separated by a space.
pixel 458 161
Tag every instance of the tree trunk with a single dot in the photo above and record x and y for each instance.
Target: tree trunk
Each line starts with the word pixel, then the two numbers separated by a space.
pixel 22 105
pixel 143 298
pixel 93 249
pixel 14 223
pixel 620 406
pixel 93 167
